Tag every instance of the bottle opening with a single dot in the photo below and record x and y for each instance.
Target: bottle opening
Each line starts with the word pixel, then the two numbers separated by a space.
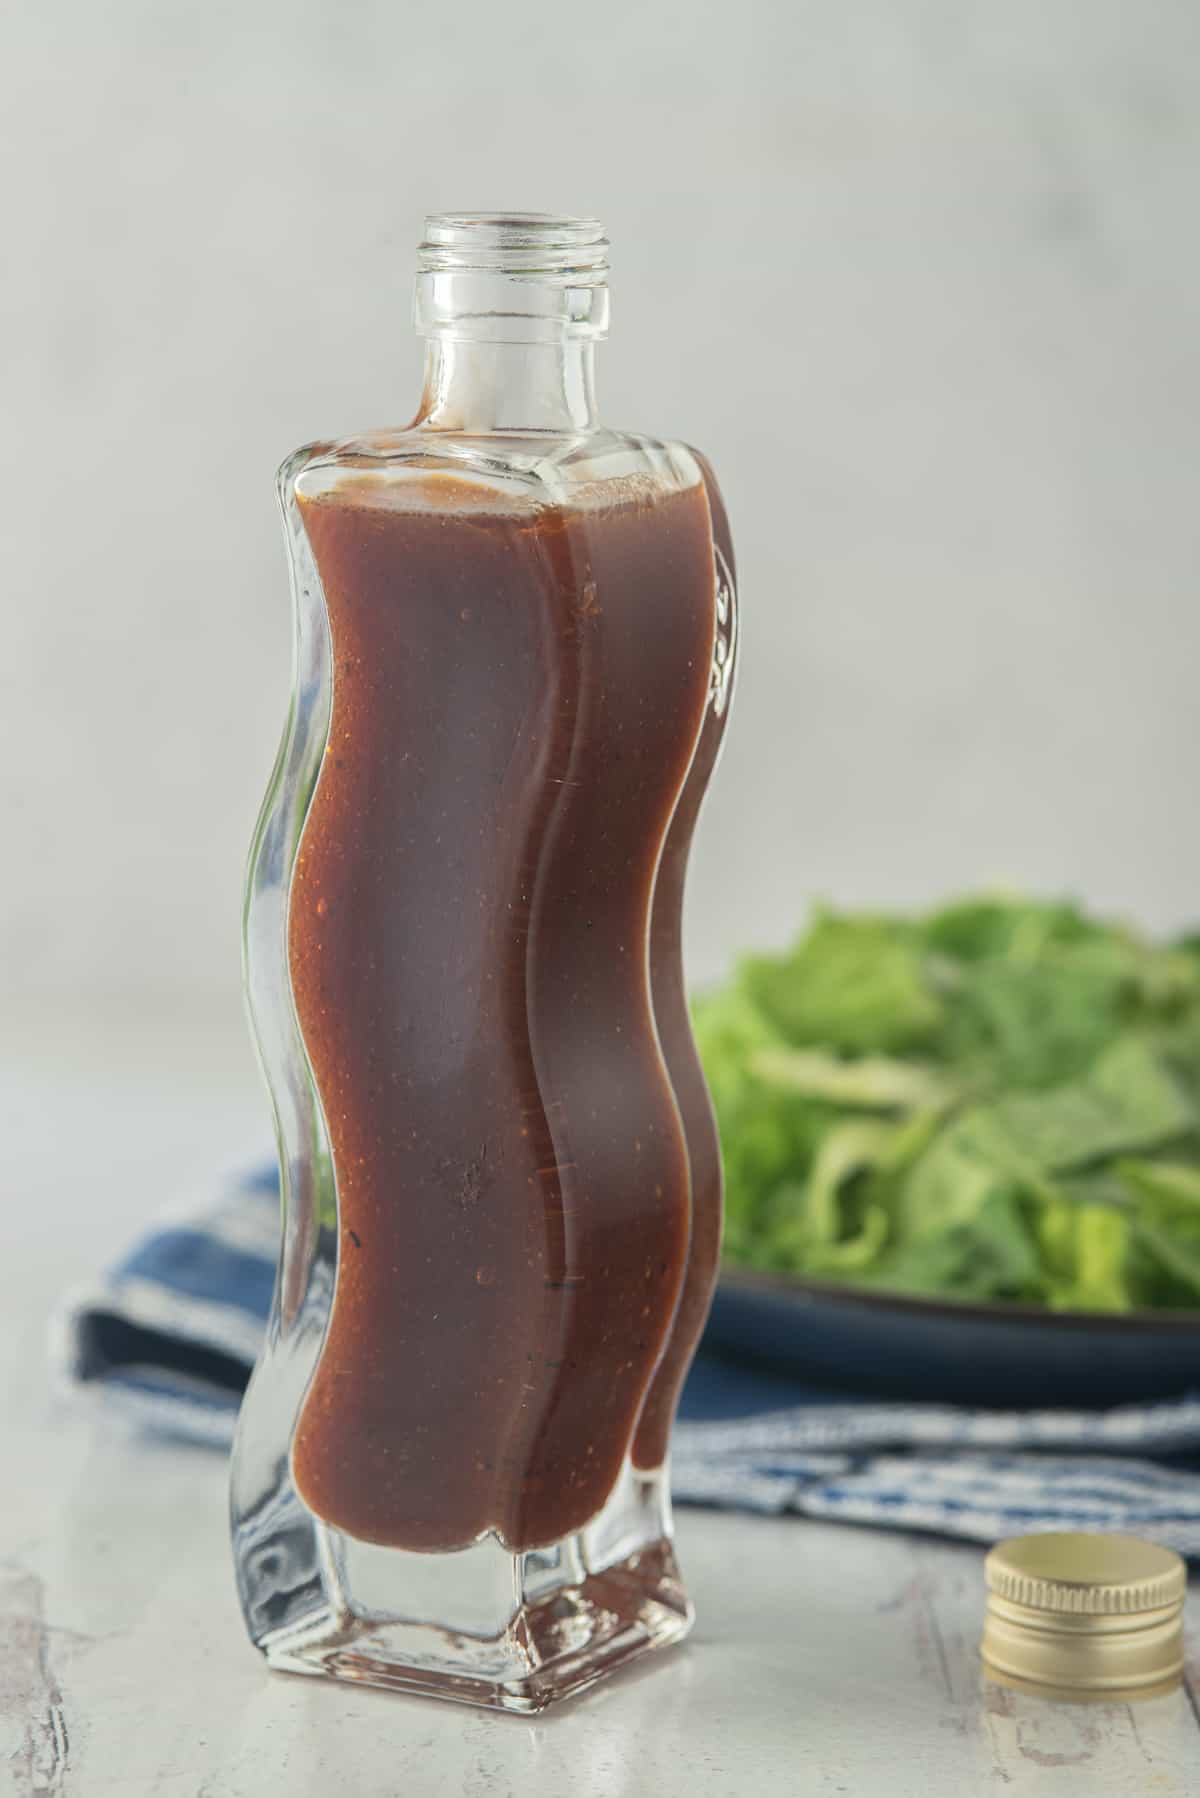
pixel 512 276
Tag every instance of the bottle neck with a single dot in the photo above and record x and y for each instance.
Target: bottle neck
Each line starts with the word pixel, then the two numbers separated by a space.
pixel 483 387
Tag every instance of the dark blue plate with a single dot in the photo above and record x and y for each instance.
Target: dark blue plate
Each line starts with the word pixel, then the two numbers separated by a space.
pixel 997 1354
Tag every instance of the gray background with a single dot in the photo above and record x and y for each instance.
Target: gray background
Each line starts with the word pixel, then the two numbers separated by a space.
pixel 919 274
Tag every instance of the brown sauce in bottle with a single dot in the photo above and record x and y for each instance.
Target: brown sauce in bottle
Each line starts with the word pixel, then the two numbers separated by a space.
pixel 675 1033
pixel 517 696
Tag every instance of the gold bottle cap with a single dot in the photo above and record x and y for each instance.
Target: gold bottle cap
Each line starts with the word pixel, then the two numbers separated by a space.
pixel 1077 1616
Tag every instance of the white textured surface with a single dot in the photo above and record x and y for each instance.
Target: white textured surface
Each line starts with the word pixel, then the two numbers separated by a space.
pixel 827 1660
pixel 919 274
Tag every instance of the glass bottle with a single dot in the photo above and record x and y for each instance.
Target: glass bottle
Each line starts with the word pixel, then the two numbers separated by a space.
pixel 514 645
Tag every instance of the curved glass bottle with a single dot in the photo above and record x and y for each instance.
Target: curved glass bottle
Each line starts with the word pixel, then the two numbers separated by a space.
pixel 501 1194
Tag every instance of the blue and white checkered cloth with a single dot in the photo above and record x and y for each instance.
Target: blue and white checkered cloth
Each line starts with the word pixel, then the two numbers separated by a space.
pixel 170 1335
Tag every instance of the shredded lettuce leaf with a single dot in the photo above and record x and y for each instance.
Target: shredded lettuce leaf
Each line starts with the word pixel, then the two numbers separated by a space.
pixel 1000 1100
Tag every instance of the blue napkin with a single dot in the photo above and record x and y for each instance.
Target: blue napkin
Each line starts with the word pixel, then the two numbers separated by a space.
pixel 170 1334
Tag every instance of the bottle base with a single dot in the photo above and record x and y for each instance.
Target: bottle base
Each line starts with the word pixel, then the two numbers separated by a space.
pixel 483 1625
pixel 550 1647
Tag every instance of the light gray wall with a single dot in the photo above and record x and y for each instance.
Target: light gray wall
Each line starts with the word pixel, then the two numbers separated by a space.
pixel 919 274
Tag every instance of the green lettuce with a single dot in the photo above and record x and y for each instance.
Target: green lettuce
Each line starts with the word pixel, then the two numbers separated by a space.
pixel 998 1100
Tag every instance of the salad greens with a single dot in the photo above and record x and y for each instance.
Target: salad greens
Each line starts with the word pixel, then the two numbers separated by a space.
pixel 1000 1100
